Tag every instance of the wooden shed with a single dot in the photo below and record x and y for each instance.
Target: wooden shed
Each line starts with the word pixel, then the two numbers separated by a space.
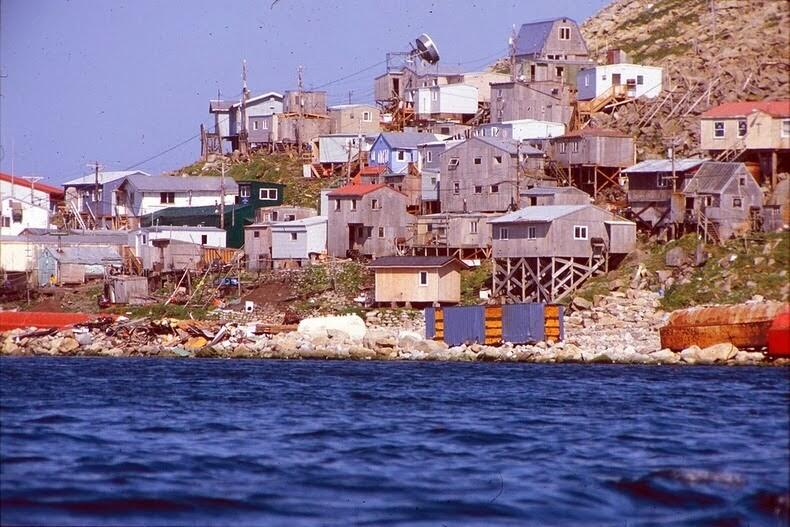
pixel 124 289
pixel 74 265
pixel 425 280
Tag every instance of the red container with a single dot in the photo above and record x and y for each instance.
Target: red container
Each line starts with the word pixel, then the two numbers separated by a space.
pixel 42 319
pixel 779 336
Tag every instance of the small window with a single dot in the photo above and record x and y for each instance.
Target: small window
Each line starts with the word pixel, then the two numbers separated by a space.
pixel 256 234
pixel 473 227
pixel 367 117
pixel 401 155
pixel 478 161
pixel 268 194
pixel 575 146
pixel 294 236
pixel 353 204
pixel 742 181
pixel 565 33
pixel 423 278
pixel 7 222
pixel 742 128
pixel 290 217
pixel 433 180
pixel 456 187
pixel 381 232
pixel 503 233
pixel 452 164
pixel 374 204
pixel 203 239
pixel 145 238
pixel 603 77
pixel 497 160
pixel 255 125
pixel 563 147
pixel 663 180
pixel 244 191
pixel 718 129
pixel 737 203
pixel 579 232
pixel 478 189
pixel 786 128
pixel 494 189
pixel 337 204
pixel 559 70
pixel 434 95
pixel 264 125
pixel 640 79
pixel 531 233
pixel 167 197
pixel 429 157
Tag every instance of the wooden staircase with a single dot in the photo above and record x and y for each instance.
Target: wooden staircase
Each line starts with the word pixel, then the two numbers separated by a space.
pixel 706 229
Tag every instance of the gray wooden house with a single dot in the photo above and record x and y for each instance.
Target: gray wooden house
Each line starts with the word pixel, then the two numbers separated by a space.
pixel 480 174
pixel 429 165
pixel 537 196
pixel 366 220
pixel 724 200
pixel 542 101
pixel 463 235
pixel 544 253
pixel 258 236
pixel 550 50
pixel 651 186
pixel 591 158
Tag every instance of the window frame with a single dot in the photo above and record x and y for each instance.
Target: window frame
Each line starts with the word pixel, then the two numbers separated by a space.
pixel 719 130
pixel 429 156
pixel 478 189
pixel 367 116
pixel 204 239
pixel 382 233
pixel 504 233
pixel 640 80
pixel 575 147
pixel 478 161
pixel 743 128
pixel 337 205
pixel 167 198
pixel 494 189
pixel 453 163
pixel 400 155
pixel 456 188
pixel 268 192
pixel 375 204
pixel 294 236
pixel 581 232
pixel 353 207
pixel 565 32
pixel 532 232
pixel 739 200
pixel 784 130
pixel 244 191
pixel 422 278
pixel 256 234
pixel 473 227
pixel 563 147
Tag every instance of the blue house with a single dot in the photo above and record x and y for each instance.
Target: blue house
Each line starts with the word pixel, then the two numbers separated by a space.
pixel 396 150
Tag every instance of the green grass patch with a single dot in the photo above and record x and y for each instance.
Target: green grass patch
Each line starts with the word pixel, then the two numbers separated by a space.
pixel 474 279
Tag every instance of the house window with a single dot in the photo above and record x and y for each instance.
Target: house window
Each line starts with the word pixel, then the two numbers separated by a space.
pixel 742 128
pixel 374 204
pixel 531 233
pixel 434 95
pixel 565 33
pixel 337 204
pixel 718 129
pixel 203 239
pixel 503 233
pixel 367 117
pixel 145 238
pixel 662 180
pixel 294 236
pixel 559 70
pixel 433 180
pixel 579 232
pixel 563 147
pixel 429 157
pixel 268 194
pixel 478 161
pixel 737 203
pixel 264 125
pixel 423 278
pixel 640 79
pixel 786 128
pixel 456 187
pixel 7 222
pixel 244 191
pixel 401 155
pixel 494 189
pixel 497 160
pixel 167 197
pixel 452 164
pixel 353 204
pixel 473 227
pixel 381 232
pixel 255 125
pixel 575 146
pixel 256 234
pixel 478 189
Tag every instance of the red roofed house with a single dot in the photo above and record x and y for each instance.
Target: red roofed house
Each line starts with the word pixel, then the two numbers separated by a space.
pixel 591 158
pixel 366 220
pixel 749 131
pixel 26 203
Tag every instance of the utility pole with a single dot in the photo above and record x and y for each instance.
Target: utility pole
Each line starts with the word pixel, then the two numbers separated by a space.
pixel 300 113
pixel 512 46
pixel 672 157
pixel 96 190
pixel 350 93
pixel 222 195
pixel 243 145
pixel 514 201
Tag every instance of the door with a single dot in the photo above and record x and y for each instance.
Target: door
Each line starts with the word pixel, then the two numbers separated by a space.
pixel 396 87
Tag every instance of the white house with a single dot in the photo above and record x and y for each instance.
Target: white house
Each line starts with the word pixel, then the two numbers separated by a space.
pixel 445 99
pixel 29 190
pixel 97 195
pixel 300 240
pixel 521 129
pixel 18 214
pixel 637 80
pixel 139 195
pixel 207 236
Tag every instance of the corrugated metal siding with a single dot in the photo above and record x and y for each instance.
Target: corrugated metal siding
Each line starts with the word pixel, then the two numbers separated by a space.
pixel 522 323
pixel 464 325
pixel 430 321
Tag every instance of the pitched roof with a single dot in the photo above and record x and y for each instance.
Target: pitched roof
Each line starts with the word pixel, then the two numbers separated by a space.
pixel 777 108
pixel 180 183
pixel 86 255
pixel 539 213
pixel 532 35
pixel 298 224
pixel 413 261
pixel 594 132
pixel 104 177
pixel 253 100
pixel 508 145
pixel 219 106
pixel 550 191
pixel 407 140
pixel 43 187
pixel 712 177
pixel 372 170
pixel 664 165
pixel 356 190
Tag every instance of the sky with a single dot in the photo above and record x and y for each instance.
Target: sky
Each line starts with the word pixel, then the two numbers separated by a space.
pixel 127 83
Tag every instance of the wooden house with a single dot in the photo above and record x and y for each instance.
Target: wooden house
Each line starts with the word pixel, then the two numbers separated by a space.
pixel 298 241
pixel 235 218
pixel 651 186
pixel 463 235
pixel 305 102
pixel 259 193
pixel 93 200
pixel 396 150
pixel 723 196
pixel 417 280
pixel 482 174
pixel 749 131
pixel 294 129
pixel 521 130
pixel 257 110
pixel 35 193
pixel 482 80
pixel 551 50
pixel 258 236
pixel 634 81
pixel 591 158
pixel 75 265
pixel 18 214
pixel 539 196
pixel 544 253
pixel 429 165
pixel 445 101
pixel 366 220
pixel 358 119
pixel 542 101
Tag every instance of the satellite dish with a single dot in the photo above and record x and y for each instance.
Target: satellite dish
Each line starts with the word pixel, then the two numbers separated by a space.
pixel 426 49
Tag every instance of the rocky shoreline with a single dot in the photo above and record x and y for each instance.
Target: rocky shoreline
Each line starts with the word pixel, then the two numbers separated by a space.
pixel 620 328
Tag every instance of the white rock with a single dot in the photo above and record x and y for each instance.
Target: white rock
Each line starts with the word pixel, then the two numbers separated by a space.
pixel 352 325
pixel 717 353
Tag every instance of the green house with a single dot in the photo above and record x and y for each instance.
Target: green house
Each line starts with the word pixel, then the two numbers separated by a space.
pixel 260 193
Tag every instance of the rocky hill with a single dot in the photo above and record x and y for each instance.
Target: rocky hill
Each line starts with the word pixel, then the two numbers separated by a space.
pixel 712 51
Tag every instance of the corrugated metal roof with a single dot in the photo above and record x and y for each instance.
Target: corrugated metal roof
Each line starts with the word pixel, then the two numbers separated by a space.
pixel 509 146
pixel 86 255
pixel 550 191
pixel 413 261
pixel 539 214
pixel 181 183
pixel 104 177
pixel 408 140
pixel 298 224
pixel 43 187
pixel 594 132
pixel 778 108
pixel 532 37
pixel 74 237
pixel 664 165
pixel 712 177
pixel 187 228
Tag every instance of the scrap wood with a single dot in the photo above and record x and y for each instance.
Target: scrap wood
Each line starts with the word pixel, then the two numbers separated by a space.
pixel 37 333
pixel 273 329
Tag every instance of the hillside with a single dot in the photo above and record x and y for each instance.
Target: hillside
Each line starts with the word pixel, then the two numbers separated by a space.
pixel 712 51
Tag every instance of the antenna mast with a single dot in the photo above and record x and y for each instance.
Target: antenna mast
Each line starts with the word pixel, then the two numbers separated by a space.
pixel 243 145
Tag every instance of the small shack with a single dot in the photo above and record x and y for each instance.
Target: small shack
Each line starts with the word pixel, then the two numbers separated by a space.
pixel 125 289
pixel 425 280
pixel 75 265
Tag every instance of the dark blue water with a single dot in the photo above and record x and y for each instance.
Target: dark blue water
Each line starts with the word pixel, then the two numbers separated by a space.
pixel 153 442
